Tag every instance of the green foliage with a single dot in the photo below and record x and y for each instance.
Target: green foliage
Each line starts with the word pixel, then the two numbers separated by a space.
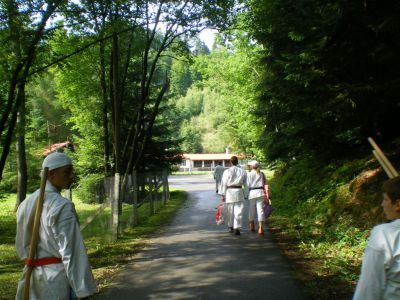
pixel 328 211
pixel 78 92
pixel 46 121
pixel 191 104
pixel 219 107
pixel 181 78
pixel 9 182
pixel 191 137
pixel 91 188
pixel 330 75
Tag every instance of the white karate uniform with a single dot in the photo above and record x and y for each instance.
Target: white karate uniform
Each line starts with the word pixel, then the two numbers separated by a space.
pixel 59 237
pixel 218 171
pixel 234 197
pixel 380 272
pixel 256 197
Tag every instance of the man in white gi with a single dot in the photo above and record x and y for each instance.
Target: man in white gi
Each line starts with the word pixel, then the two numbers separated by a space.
pixel 218 171
pixel 61 267
pixel 380 272
pixel 232 193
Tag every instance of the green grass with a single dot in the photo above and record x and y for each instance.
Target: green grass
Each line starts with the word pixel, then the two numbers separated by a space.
pixel 325 214
pixel 106 257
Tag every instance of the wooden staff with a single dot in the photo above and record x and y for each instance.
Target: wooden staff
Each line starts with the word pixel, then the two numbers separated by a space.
pixel 383 160
pixel 35 232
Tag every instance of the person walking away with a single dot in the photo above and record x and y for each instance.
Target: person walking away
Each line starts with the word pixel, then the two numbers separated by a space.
pixel 232 184
pixel 257 196
pixel 218 171
pixel 61 267
pixel 380 271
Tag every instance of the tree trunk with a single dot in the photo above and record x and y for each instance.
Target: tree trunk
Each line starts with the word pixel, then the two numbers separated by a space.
pixel 20 72
pixel 117 151
pixel 21 153
pixel 106 137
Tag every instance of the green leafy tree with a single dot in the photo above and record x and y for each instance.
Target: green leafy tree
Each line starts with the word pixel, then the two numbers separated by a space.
pixel 330 75
pixel 191 137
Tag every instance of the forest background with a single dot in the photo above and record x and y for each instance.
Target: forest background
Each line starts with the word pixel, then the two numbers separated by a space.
pixel 299 85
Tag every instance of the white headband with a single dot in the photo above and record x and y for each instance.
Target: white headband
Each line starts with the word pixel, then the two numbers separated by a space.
pixel 56 160
pixel 253 163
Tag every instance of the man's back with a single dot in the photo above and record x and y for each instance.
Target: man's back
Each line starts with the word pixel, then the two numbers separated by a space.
pixel 218 172
pixel 232 181
pixel 60 237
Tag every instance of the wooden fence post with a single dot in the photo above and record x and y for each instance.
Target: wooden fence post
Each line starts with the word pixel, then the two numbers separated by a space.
pixel 151 203
pixel 135 198
pixel 116 221
pixel 156 204
pixel 163 195
pixel 165 187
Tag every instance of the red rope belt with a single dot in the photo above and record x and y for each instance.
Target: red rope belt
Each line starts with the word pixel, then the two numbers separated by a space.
pixel 42 261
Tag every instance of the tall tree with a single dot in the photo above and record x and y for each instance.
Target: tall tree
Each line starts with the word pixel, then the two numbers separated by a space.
pixel 24 29
pixel 330 76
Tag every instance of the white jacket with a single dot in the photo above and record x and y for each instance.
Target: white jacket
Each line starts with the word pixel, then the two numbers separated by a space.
pixel 255 180
pixel 380 272
pixel 59 237
pixel 234 176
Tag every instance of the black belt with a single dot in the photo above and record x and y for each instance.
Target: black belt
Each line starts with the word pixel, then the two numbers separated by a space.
pixel 256 188
pixel 234 187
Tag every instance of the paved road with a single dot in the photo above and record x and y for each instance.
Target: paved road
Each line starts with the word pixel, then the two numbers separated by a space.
pixel 196 259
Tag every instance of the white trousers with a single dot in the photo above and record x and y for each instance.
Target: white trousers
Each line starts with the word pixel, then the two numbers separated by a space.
pixel 234 214
pixel 256 206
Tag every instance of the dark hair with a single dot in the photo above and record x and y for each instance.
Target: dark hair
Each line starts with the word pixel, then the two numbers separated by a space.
pixel 391 187
pixel 234 160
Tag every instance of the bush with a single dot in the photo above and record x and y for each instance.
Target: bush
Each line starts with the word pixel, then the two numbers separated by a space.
pixel 91 189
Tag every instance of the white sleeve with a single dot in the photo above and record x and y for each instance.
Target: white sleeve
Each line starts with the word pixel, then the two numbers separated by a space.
pixel 371 283
pixel 223 183
pixel 246 185
pixel 73 252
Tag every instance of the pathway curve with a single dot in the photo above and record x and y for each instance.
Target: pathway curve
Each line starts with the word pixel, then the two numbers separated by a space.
pixel 196 259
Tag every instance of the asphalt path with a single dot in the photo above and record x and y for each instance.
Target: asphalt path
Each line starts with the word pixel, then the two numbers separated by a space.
pixel 196 259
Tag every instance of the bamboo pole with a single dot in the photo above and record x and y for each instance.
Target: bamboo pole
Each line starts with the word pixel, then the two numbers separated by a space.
pixel 35 232
pixel 383 165
pixel 383 160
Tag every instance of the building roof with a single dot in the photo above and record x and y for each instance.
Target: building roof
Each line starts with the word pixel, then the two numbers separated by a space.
pixel 211 156
pixel 57 146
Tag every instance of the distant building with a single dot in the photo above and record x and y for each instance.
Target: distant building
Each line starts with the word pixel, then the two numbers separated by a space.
pixel 59 147
pixel 206 161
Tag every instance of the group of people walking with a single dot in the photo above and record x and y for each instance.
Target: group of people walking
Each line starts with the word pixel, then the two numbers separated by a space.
pixel 380 273
pixel 61 268
pixel 236 186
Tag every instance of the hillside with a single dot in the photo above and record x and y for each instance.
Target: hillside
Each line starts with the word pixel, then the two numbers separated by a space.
pixel 323 218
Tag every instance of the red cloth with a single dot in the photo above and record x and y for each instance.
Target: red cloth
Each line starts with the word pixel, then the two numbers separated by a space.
pixel 42 261
pixel 218 215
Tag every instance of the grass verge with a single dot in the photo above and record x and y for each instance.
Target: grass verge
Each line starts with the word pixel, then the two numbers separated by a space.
pixel 106 257
pixel 322 219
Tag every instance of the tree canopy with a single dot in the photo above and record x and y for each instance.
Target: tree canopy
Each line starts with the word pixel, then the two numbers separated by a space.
pixel 126 80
